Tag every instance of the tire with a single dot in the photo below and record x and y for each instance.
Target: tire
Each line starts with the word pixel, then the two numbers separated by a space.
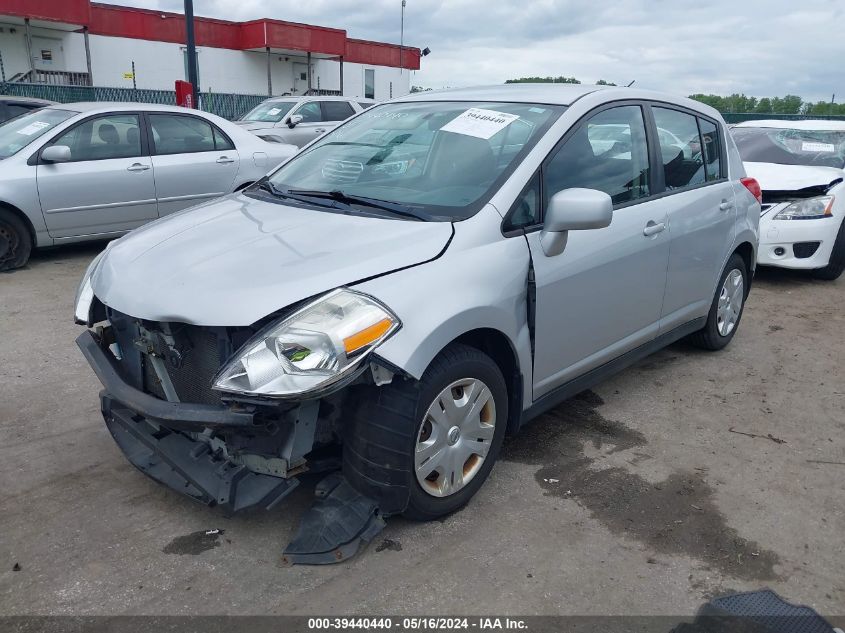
pixel 15 241
pixel 381 440
pixel 718 331
pixel 836 264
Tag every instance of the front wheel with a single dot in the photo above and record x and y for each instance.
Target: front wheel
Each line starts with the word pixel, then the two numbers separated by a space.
pixel 726 308
pixel 836 263
pixel 15 241
pixel 436 439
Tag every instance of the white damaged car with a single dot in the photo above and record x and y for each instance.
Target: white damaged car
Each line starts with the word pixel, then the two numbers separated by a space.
pixel 800 166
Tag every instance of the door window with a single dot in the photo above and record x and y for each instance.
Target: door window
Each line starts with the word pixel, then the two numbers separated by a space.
pixel 526 209
pixel 710 146
pixel 310 112
pixel 337 110
pixel 181 134
pixel 608 153
pixel 369 83
pixel 680 148
pixel 100 138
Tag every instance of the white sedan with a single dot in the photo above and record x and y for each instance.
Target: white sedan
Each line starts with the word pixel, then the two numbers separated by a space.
pixel 86 171
pixel 800 166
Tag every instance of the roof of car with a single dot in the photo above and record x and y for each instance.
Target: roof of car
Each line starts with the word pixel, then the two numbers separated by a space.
pixel 558 94
pixel 804 124
pixel 551 94
pixel 95 106
pixel 12 99
pixel 293 98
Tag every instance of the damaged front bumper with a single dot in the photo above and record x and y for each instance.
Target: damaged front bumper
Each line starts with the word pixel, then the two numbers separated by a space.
pixel 177 444
pixel 147 430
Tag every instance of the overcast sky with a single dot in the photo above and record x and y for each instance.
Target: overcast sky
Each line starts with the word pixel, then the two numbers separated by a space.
pixel 759 47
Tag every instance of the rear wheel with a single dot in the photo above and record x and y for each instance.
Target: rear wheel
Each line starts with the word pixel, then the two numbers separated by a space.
pixel 726 309
pixel 436 439
pixel 836 264
pixel 15 241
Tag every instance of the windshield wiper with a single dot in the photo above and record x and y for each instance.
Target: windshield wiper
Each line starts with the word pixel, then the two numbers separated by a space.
pixel 270 188
pixel 374 203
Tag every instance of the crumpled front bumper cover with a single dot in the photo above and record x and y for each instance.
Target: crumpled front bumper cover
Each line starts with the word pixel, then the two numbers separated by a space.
pixel 144 428
pixel 190 467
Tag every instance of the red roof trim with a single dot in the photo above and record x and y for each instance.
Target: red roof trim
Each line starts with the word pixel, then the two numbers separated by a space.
pixel 66 11
pixel 382 54
pixel 164 26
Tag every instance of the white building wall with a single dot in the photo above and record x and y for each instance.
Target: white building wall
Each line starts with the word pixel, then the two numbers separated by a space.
pixel 159 64
pixel 15 56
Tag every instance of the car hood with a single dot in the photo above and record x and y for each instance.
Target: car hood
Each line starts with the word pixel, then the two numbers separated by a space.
pixel 774 177
pixel 234 260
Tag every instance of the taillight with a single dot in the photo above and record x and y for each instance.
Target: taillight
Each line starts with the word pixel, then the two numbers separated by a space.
pixel 754 187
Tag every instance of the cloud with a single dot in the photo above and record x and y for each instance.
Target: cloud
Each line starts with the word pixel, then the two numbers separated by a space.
pixel 759 47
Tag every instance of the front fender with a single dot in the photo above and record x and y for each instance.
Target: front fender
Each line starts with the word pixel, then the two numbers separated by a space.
pixel 480 282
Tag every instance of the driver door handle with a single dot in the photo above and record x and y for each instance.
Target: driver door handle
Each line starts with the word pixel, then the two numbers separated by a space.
pixel 320 130
pixel 653 228
pixel 137 167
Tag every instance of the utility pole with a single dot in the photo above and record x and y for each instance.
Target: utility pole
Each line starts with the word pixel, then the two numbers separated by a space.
pixel 402 40
pixel 191 51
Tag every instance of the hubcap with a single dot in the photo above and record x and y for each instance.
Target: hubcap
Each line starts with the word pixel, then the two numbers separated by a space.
pixel 730 302
pixel 455 437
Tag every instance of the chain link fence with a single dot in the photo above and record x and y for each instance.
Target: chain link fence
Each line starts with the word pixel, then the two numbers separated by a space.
pixel 739 117
pixel 228 106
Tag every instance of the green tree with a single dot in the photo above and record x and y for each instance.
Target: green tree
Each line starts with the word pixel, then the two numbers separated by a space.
pixel 602 82
pixel 543 80
pixel 764 105
pixel 714 101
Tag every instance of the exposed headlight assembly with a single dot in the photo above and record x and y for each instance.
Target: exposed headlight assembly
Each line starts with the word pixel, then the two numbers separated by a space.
pixel 312 349
pixel 809 209
pixel 85 293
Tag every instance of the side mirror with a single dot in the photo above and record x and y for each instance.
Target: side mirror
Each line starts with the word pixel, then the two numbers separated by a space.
pixel 294 120
pixel 573 210
pixel 56 154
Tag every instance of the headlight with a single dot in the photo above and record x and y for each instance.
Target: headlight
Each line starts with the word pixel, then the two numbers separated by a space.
pixel 85 293
pixel 393 168
pixel 310 350
pixel 269 138
pixel 809 209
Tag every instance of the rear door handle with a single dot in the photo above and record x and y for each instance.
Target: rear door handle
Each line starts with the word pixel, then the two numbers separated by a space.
pixel 225 159
pixel 320 131
pixel 653 228
pixel 726 204
pixel 137 167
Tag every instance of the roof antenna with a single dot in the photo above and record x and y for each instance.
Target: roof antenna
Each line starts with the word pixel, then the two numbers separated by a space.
pixel 630 84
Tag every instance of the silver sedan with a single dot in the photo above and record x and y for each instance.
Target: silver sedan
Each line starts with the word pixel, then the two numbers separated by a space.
pixel 87 171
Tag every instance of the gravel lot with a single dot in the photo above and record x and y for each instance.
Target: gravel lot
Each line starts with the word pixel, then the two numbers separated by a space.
pixel 642 496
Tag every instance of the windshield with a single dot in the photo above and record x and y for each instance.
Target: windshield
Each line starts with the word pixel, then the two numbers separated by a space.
pixel 23 130
pixel 269 111
pixel 440 159
pixel 790 146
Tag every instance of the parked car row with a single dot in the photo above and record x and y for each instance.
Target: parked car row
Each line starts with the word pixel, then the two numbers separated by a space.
pixel 409 288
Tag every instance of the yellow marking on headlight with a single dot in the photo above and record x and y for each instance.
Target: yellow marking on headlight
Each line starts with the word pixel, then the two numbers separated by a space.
pixel 366 336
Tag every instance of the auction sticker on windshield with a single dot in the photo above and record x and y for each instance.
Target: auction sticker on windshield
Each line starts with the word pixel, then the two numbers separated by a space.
pixel 479 122
pixel 32 128
pixel 817 147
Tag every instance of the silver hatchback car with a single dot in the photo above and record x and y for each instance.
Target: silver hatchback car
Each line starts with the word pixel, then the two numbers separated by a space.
pixel 409 289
